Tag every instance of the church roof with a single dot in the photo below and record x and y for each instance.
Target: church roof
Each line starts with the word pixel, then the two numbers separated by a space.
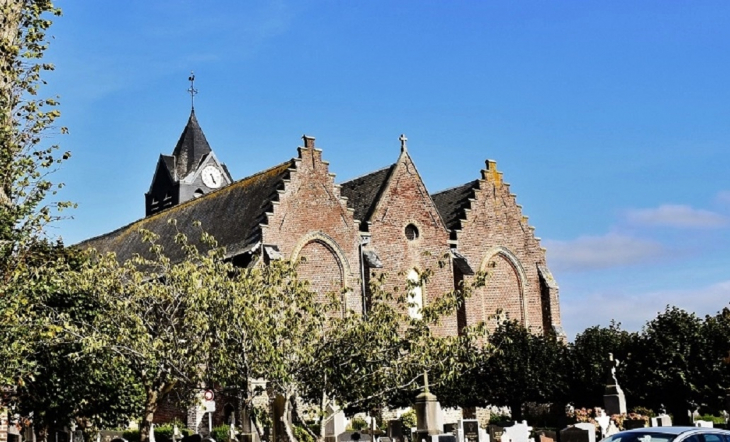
pixel 232 215
pixel 452 202
pixel 191 148
pixel 363 192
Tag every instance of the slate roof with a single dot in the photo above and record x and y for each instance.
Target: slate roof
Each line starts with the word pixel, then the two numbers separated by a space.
pixel 231 214
pixel 362 193
pixel 452 202
pixel 191 148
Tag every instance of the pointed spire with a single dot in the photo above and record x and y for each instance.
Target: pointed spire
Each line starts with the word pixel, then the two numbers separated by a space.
pixel 191 148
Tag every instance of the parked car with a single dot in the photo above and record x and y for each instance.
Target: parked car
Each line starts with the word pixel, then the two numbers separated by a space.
pixel 671 434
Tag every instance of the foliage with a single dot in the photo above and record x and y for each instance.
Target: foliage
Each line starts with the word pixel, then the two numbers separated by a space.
pixel 715 363
pixel 164 432
pixel 667 363
pixel 357 423
pixel 153 317
pixel 525 368
pixel 588 359
pixel 221 433
pixel 408 419
pixel 26 162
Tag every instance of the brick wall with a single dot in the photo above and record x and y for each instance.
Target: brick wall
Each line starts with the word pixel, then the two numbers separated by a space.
pixel 311 221
pixel 404 202
pixel 496 237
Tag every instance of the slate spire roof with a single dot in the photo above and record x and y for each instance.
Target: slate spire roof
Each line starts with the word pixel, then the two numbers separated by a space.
pixel 191 148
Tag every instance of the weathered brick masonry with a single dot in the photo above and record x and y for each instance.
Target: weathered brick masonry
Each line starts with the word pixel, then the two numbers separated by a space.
pixel 385 221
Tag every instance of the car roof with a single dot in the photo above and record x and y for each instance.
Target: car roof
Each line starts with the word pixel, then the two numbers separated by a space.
pixel 676 430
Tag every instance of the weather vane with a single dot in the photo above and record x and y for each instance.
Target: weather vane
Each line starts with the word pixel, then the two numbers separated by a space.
pixel 192 90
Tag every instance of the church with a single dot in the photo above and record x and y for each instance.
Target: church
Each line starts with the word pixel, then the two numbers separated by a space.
pixel 383 222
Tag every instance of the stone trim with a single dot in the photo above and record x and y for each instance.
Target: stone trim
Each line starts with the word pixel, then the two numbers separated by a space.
pixel 331 244
pixel 519 270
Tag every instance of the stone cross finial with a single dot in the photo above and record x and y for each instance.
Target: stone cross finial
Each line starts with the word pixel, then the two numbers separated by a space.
pixel 403 140
pixel 192 90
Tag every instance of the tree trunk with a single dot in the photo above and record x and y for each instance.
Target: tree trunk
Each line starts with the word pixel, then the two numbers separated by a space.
pixel 148 415
pixel 285 420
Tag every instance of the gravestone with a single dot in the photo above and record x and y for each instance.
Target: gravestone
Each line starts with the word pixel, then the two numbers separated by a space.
pixel 336 424
pixel 611 430
pixel 428 413
pixel 519 432
pixel 663 420
pixel 495 432
pixel 575 434
pixel 395 430
pixel 590 428
pixel 353 436
pixel 451 428
pixel 544 438
pixel 614 400
pixel 469 430
pixel 443 438
pixel 630 424
pixel 192 438
pixel 704 424
pixel 603 422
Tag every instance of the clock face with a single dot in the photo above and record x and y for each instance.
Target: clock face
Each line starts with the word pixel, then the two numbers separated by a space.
pixel 212 177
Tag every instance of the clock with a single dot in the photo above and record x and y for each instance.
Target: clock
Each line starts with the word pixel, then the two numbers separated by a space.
pixel 212 177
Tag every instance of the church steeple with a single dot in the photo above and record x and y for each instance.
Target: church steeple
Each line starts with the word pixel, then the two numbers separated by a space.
pixel 191 148
pixel 190 172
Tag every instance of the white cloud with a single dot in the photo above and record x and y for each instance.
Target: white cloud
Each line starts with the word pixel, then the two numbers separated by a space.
pixel 674 215
pixel 599 252
pixel 633 311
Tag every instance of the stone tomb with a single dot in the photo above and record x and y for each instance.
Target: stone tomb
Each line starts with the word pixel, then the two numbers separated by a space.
pixel 519 432
pixel 469 430
pixel 578 433
pixel 663 420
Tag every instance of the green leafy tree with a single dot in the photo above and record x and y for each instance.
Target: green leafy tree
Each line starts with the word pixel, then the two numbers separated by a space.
pixel 667 361
pixel 588 356
pixel 154 318
pixel 525 367
pixel 715 367
pixel 26 162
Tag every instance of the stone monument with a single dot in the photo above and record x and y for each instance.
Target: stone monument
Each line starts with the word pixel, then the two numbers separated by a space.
pixel 428 413
pixel 614 400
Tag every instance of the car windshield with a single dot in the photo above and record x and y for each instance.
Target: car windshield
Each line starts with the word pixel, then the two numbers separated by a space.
pixel 647 436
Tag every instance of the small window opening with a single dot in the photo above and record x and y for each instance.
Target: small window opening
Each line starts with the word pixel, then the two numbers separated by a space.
pixel 411 232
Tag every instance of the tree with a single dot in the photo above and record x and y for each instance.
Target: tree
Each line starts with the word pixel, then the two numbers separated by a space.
pixel 26 163
pixel 155 317
pixel 587 358
pixel 524 368
pixel 666 362
pixel 715 366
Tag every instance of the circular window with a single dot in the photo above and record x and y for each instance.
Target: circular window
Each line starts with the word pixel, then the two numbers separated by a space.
pixel 411 232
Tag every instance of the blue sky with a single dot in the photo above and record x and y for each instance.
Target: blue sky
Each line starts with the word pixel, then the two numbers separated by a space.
pixel 610 120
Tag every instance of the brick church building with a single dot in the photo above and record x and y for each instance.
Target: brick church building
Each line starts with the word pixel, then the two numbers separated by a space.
pixel 385 221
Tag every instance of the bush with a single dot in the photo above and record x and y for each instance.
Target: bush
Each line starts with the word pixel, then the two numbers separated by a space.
pixel 357 423
pixel 163 432
pixel 220 433
pixel 408 419
pixel 502 420
pixel 711 418
pixel 301 434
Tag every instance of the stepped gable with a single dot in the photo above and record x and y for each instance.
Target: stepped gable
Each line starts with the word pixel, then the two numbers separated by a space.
pixel 362 193
pixel 453 203
pixel 191 148
pixel 232 215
